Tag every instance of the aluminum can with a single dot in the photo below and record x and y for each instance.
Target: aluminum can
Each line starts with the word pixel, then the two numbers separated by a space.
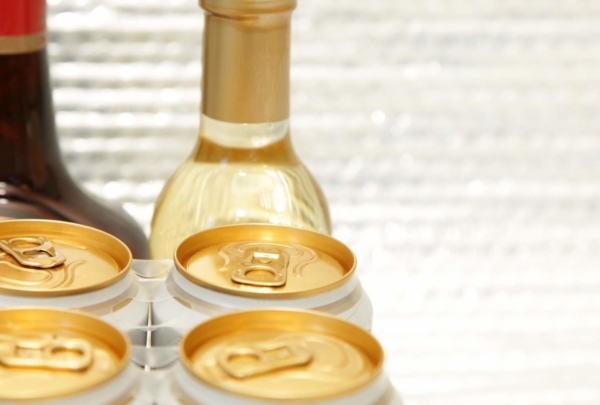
pixel 51 357
pixel 257 266
pixel 281 356
pixel 64 265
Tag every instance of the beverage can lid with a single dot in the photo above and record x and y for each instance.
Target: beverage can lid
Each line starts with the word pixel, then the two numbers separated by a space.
pixel 283 355
pixel 52 258
pixel 265 261
pixel 47 353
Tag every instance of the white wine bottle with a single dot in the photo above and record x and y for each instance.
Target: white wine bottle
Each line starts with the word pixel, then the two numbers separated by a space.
pixel 243 168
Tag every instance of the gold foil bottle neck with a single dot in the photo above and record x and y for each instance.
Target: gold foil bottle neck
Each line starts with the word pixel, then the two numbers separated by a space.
pixel 248 83
pixel 282 355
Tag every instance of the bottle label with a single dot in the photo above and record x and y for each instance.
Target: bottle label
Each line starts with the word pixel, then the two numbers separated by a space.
pixel 22 26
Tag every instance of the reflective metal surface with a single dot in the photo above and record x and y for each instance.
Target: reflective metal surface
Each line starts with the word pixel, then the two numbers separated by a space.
pixel 49 353
pixel 291 263
pixel 33 251
pixel 52 258
pixel 456 142
pixel 283 355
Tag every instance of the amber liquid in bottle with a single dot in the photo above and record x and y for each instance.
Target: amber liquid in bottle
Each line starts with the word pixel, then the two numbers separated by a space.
pixel 33 180
pixel 243 168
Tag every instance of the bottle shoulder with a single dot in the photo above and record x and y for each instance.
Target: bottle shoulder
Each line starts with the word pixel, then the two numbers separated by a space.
pixel 229 142
pixel 34 182
pixel 202 195
pixel 74 206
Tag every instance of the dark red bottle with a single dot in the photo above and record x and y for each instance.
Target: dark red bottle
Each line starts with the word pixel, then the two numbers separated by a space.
pixel 34 182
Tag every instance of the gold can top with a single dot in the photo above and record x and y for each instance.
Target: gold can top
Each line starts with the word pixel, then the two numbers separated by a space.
pixel 241 7
pixel 53 258
pixel 265 261
pixel 48 353
pixel 283 355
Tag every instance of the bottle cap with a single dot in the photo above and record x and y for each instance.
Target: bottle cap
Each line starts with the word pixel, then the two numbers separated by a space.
pixel 22 17
pixel 240 7
pixel 22 26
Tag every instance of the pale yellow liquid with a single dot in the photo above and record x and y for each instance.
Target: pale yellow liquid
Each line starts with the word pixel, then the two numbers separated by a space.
pixel 220 185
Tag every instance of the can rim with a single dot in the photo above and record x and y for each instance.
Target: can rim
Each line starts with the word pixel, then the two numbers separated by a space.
pixel 67 318
pixel 118 251
pixel 345 330
pixel 271 233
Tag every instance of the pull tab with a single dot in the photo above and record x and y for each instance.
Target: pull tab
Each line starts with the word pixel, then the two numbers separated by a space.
pixel 273 261
pixel 43 255
pixel 264 358
pixel 47 347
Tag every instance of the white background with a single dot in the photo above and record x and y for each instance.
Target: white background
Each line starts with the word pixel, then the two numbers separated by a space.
pixel 458 144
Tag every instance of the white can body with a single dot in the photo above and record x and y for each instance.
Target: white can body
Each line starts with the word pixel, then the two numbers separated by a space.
pixel 187 304
pixel 191 391
pixel 121 390
pixel 115 304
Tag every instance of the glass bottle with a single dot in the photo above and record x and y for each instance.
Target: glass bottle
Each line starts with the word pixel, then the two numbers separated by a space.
pixel 243 168
pixel 34 182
